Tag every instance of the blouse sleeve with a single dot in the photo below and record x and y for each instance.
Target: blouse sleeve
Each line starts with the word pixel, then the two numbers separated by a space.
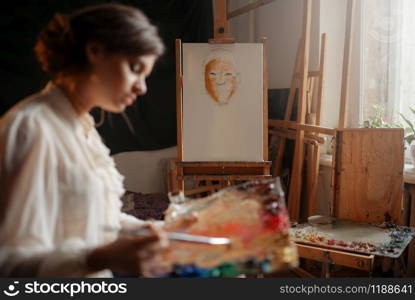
pixel 29 205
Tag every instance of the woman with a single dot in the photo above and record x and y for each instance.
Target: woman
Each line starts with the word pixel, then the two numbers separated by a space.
pixel 60 189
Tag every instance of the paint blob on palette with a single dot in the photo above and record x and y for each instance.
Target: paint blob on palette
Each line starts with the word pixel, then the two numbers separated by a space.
pixel 252 215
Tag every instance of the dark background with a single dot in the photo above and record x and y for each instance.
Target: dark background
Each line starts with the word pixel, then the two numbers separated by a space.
pixel 154 115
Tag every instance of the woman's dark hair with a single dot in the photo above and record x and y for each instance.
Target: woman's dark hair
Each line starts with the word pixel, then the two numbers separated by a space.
pixel 121 29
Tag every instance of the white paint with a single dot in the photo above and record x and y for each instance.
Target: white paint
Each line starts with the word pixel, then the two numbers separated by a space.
pixel 223 132
pixel 145 171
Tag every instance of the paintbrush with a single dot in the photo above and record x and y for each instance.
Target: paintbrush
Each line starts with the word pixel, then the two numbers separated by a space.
pixel 177 236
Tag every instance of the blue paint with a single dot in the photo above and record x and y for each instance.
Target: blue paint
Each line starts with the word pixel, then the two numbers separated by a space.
pixel 228 269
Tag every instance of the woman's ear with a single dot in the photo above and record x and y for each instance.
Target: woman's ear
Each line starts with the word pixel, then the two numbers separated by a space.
pixel 95 52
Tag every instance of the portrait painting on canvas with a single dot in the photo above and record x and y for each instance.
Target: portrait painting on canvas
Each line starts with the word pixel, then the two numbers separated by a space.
pixel 221 76
pixel 222 102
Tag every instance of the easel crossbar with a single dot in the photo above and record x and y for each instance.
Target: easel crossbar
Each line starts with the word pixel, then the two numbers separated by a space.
pixel 304 127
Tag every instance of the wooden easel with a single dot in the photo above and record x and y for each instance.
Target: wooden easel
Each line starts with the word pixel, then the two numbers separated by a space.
pixel 301 73
pixel 313 116
pixel 304 133
pixel 226 173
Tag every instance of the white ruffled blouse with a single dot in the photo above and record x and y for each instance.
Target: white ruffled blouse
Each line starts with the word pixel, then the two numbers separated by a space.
pixel 59 189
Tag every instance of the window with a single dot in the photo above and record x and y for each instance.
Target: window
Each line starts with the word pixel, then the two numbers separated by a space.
pixel 388 58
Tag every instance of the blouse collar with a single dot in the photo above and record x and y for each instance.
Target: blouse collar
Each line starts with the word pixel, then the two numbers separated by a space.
pixel 81 124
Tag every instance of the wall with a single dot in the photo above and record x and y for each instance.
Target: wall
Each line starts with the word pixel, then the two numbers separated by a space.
pixel 332 21
pixel 281 23
pixel 145 171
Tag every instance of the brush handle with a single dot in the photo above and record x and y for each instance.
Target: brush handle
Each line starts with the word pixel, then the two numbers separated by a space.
pixel 184 237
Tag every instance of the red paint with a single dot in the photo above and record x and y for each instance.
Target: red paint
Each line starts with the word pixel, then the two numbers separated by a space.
pixel 341 243
pixel 276 223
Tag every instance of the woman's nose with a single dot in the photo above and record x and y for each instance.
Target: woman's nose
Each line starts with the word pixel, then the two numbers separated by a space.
pixel 140 86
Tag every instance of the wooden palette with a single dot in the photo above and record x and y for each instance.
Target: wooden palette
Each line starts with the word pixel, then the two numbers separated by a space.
pixel 253 215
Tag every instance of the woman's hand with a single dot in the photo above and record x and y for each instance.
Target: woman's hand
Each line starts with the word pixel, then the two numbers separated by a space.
pixel 129 254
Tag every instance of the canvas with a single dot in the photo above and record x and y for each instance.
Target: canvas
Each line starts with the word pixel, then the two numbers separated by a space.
pixel 222 102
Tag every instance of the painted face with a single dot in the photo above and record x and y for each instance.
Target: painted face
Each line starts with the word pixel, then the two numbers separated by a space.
pixel 220 79
pixel 119 79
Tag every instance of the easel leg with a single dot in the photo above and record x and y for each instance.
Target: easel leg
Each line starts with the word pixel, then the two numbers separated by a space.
pixel 325 270
pixel 180 180
pixel 400 267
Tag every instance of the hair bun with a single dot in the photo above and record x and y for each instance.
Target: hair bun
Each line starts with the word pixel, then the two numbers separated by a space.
pixel 120 29
pixel 54 44
pixel 59 24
